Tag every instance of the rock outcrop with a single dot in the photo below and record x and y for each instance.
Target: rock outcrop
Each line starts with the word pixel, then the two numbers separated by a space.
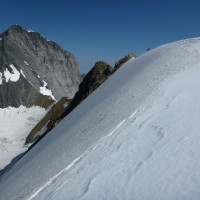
pixel 94 78
pixel 123 60
pixel 91 81
pixel 33 70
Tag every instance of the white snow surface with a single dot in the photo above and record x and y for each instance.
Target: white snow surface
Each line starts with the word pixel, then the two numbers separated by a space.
pixel 16 123
pixel 10 76
pixel 45 91
pixel 135 137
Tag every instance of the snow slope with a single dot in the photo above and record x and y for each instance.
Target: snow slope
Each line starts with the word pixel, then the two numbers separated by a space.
pixel 135 137
pixel 16 123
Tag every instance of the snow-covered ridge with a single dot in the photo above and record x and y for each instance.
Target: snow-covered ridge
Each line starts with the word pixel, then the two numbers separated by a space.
pixel 136 136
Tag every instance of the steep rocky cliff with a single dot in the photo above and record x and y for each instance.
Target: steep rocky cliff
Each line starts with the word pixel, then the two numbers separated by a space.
pixel 33 70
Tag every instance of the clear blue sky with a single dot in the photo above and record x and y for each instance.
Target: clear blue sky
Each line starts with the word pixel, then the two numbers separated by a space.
pixel 106 30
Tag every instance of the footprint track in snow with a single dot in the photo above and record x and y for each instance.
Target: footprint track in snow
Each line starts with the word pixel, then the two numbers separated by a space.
pixel 141 163
pixel 159 131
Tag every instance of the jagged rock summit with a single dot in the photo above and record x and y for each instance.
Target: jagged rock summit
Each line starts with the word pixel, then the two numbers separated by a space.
pixel 33 70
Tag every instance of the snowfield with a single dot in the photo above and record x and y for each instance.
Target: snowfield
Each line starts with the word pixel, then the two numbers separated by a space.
pixel 16 123
pixel 135 137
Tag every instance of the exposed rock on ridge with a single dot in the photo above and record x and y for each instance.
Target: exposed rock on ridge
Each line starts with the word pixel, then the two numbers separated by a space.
pixel 123 60
pixel 95 77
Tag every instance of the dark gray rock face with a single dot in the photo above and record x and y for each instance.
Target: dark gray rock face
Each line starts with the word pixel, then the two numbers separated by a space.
pixel 33 70
pixel 92 80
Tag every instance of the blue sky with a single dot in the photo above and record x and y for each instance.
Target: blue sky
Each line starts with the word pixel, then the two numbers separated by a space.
pixel 105 29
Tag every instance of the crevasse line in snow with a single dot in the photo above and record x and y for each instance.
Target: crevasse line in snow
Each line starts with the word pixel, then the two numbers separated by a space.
pixel 53 178
pixel 79 158
pixel 115 129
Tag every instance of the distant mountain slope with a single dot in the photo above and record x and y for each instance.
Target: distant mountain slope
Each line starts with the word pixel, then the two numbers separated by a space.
pixel 34 74
pixel 16 123
pixel 33 70
pixel 136 136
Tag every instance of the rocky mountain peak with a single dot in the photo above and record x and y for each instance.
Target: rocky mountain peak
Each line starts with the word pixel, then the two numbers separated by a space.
pixel 16 28
pixel 13 31
pixel 34 70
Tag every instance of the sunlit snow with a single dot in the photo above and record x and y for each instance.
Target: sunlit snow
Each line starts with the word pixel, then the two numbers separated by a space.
pixel 45 91
pixel 11 76
pixel 135 137
pixel 16 125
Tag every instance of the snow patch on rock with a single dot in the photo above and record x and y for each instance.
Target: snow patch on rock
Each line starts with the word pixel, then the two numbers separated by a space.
pixel 11 76
pixel 45 91
pixel 26 63
pixel 22 73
